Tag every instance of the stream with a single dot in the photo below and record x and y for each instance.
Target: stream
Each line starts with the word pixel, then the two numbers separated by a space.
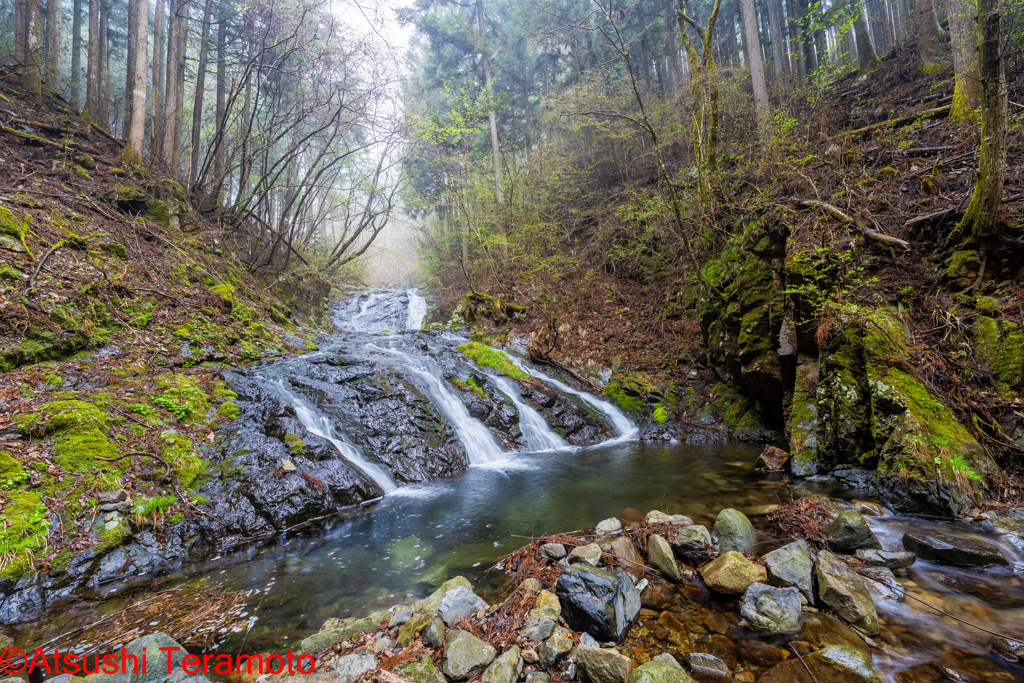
pixel 424 532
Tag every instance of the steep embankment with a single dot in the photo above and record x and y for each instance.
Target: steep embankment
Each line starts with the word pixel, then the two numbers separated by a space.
pixel 119 305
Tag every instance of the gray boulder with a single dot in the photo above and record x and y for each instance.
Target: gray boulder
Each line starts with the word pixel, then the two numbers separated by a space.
pixel 660 556
pixel 350 667
pixel 431 604
pixel 668 659
pixel 504 669
pixel 890 559
pixel 603 665
pixel 433 633
pixel 882 583
pixel 840 588
pixel 734 531
pixel 465 654
pixel 536 629
pixel 658 672
pixel 704 664
pixel 624 550
pixel 421 671
pixel 608 526
pixel 850 531
pixel 771 608
pixel 323 640
pixel 553 551
pixel 790 567
pixel 659 517
pixel 156 661
pixel 459 603
pixel 558 644
pixel 955 550
pixel 537 677
pixel 690 541
pixel 598 602
pixel 589 554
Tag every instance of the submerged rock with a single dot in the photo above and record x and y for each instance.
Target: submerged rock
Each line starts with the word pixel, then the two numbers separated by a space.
pixel 603 665
pixel 771 608
pixel 660 556
pixel 790 567
pixel 734 531
pixel 731 574
pixel 890 559
pixel 708 665
pixel 850 531
pixel 465 654
pixel 820 630
pixel 831 664
pixel 598 602
pixel 772 459
pixel 840 588
pixel 658 672
pixel 956 550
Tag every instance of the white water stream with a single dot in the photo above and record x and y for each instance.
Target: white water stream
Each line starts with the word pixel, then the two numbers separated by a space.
pixel 534 427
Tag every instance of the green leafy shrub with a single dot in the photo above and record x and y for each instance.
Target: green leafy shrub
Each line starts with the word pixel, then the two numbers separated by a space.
pixel 486 357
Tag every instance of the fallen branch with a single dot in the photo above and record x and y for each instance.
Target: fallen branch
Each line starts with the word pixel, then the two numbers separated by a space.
pixel 48 127
pixel 809 672
pixel 119 143
pixel 900 121
pixel 862 227
pixel 32 280
pixel 940 216
pixel 922 151
pixel 35 138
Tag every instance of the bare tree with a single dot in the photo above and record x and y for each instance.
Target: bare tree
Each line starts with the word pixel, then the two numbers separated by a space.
pixel 92 70
pixel 54 19
pixel 927 35
pixel 137 131
pixel 197 109
pixel 31 80
pixel 964 46
pixel 156 111
pixel 491 116
pixel 756 66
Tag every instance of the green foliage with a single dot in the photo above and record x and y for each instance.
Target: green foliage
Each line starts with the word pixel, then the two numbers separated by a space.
pixel 487 357
pixel 181 396
pixel 153 508
pixel 295 444
pixel 177 450
pixel 12 473
pixel 228 410
pixel 828 281
pixel 23 535
pixel 660 414
pixel 470 385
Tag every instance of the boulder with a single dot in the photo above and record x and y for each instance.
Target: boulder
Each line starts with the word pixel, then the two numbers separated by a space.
pixel 690 541
pixel 558 645
pixel 668 659
pixel 547 606
pixel 412 628
pixel 536 629
pixel 790 567
pixel 820 630
pixel 465 654
pixel 840 588
pixel 771 608
pixel 324 639
pixel 831 664
pixel 532 586
pixel 350 667
pixel 589 554
pixel 157 661
pixel 956 550
pixel 608 526
pixel 623 549
pixel 734 531
pixel 890 559
pixel 458 604
pixel 772 459
pixel 430 605
pixel 603 665
pixel 659 517
pixel 504 669
pixel 538 677
pixel 421 671
pixel 703 664
pixel 882 583
pixel 731 573
pixel 601 603
pixel 553 551
pixel 1010 649
pixel 658 672
pixel 850 531
pixel 660 556
pixel 433 633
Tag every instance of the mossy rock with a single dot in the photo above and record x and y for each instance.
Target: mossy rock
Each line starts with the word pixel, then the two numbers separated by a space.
pixel 158 212
pixel 82 173
pixel 738 413
pixel 226 293
pixel 81 450
pixel 962 268
pixel 128 194
pixel 487 357
pixel 999 345
pixel 115 249
pixel 23 532
pixel 31 351
pixel 10 469
pixel 11 225
pixel 85 161
pixel 174 189
pixel 9 273
pixel 632 392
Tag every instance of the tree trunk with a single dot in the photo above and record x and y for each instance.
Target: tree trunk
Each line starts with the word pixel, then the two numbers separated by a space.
pixel 137 116
pixel 175 97
pixel 103 74
pixel 197 109
pixel 55 18
pixel 129 77
pixel 496 152
pixel 982 217
pixel 927 35
pixel 222 80
pixel 964 46
pixel 76 53
pixel 876 14
pixel 756 66
pixel 796 50
pixel 19 31
pixel 92 71
pixel 156 111
pixel 31 79
pixel 781 66
pixel 865 52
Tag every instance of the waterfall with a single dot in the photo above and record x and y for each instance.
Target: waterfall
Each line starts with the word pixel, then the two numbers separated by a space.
pixel 363 310
pixel 480 444
pixel 535 429
pixel 625 429
pixel 318 423
pixel 417 310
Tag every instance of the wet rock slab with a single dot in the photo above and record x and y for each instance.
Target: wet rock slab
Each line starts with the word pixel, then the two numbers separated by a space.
pixel 955 550
pixel 598 602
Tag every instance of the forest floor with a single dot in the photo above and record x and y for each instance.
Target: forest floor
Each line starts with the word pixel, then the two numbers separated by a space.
pixel 119 306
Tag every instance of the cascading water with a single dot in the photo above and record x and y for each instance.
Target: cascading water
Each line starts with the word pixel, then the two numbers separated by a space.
pixel 319 424
pixel 417 310
pixel 534 427
pixel 480 444
pixel 626 430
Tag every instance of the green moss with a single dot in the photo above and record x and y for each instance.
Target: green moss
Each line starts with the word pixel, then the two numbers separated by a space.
pixel 738 413
pixel 11 225
pixel 115 249
pixel 60 562
pixel 60 416
pixel 295 444
pixel 128 193
pixel 177 450
pixel 78 451
pixel 174 188
pixel 220 391
pixel 182 396
pixel 175 519
pixel 226 294
pixel 23 533
pixel 11 471
pixel 470 385
pixel 962 267
pixel 487 357
pixel 113 538
pixel 9 273
pixel 888 173
pixel 1000 347
pixel 660 414
pixel 228 410
pixel 156 211
pixel 82 173
pixel 153 507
